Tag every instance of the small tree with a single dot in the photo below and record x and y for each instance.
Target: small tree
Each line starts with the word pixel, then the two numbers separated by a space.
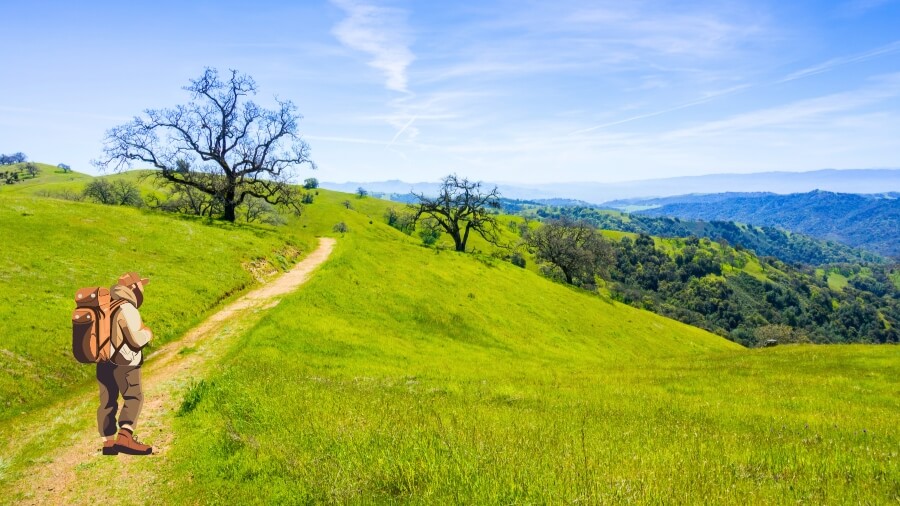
pixel 461 207
pixel 118 193
pixel 429 231
pixel 574 247
pixel 347 204
pixel 340 228
pixel 310 183
pixel 31 169
pixel 13 158
pixel 233 149
pixel 99 190
pixel 361 193
pixel 402 221
pixel 65 168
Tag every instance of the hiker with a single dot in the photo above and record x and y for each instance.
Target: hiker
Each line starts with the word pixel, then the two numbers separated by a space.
pixel 121 374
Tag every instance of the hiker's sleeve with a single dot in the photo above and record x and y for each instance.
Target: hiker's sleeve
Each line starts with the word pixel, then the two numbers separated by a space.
pixel 135 334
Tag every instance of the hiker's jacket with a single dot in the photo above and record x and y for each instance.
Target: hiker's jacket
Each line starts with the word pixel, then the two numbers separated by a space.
pixel 128 332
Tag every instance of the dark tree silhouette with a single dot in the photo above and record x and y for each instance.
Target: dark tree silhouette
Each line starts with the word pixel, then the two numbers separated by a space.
pixel 233 148
pixel 461 207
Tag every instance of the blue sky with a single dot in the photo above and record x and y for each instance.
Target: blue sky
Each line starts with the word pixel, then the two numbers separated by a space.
pixel 513 91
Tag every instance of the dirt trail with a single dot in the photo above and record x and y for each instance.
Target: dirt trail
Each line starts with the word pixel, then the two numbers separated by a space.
pixel 72 474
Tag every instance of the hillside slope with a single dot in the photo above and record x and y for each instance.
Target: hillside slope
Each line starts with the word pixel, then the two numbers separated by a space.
pixel 410 374
pixel 407 374
pixel 53 247
pixel 864 221
pixel 764 241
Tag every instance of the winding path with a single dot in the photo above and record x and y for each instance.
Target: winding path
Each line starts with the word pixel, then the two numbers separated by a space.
pixel 76 473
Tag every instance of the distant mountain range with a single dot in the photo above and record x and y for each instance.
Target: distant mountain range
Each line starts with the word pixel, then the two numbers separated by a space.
pixel 865 221
pixel 845 181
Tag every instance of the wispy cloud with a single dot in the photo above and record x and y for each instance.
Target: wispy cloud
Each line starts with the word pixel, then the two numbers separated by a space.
pixel 801 113
pixel 382 33
pixel 843 60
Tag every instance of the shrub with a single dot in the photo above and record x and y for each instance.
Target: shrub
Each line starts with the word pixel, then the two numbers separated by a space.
pixel 117 193
pixel 517 259
pixel 404 222
pixel 340 228
pixel 311 183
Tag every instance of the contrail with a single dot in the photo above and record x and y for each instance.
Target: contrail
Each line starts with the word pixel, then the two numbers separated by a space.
pixel 397 135
pixel 664 111
pixel 844 60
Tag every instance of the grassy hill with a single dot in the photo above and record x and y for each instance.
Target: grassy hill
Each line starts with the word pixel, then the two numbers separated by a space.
pixel 53 247
pixel 402 374
pixel 408 374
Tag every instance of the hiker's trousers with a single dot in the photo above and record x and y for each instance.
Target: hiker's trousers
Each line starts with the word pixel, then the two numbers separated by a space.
pixel 115 380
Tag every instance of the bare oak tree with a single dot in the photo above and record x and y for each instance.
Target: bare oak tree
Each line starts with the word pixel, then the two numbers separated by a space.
pixel 461 207
pixel 234 148
pixel 574 247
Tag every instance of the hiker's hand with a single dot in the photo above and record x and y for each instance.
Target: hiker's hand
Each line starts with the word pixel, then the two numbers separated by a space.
pixel 148 330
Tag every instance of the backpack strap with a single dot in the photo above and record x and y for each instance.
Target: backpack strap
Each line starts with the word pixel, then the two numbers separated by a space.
pixel 113 308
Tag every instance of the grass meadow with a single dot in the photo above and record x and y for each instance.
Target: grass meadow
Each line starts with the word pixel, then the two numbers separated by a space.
pixel 50 248
pixel 405 374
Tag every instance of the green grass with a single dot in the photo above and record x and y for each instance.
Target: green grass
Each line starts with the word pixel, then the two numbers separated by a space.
pixel 404 374
pixel 836 280
pixel 49 179
pixel 53 247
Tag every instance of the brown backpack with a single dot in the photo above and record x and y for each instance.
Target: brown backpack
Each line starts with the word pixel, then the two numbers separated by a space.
pixel 92 324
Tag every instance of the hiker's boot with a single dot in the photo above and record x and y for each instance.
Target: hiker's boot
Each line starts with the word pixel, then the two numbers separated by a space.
pixel 109 447
pixel 127 444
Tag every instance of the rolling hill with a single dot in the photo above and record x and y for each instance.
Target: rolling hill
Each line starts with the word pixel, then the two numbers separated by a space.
pixel 864 221
pixel 402 373
pixel 836 180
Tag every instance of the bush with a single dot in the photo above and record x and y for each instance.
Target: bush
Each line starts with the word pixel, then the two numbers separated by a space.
pixel 341 228
pixel 429 232
pixel 404 222
pixel 307 198
pixel 311 183
pixel 116 193
pixel 517 259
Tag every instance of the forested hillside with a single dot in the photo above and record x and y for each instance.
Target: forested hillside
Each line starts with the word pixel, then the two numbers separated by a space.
pixel 865 221
pixel 764 241
pixel 751 300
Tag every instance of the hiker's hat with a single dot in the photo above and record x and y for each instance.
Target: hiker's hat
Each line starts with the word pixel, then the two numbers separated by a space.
pixel 132 278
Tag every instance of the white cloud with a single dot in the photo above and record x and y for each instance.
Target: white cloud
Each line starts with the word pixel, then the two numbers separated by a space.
pixel 380 32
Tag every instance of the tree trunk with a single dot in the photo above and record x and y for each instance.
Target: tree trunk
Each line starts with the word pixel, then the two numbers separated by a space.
pixel 230 206
pixel 457 239
pixel 229 214
pixel 460 245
